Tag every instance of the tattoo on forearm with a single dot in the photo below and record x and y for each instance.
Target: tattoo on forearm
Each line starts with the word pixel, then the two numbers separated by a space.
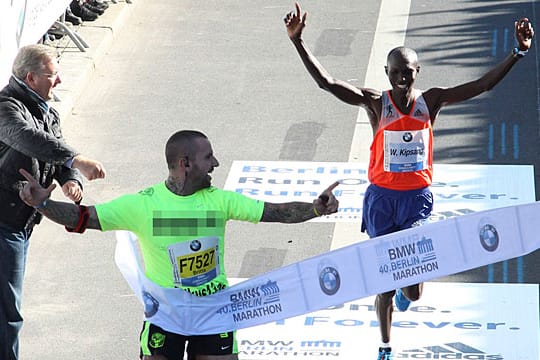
pixel 68 214
pixel 293 212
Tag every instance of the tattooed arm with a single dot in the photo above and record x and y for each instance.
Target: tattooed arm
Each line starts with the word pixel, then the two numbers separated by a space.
pixel 68 214
pixel 295 212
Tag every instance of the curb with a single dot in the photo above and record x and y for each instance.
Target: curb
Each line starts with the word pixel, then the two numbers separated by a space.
pixel 76 66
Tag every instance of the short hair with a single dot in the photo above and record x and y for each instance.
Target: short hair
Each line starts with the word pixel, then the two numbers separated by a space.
pixel 403 53
pixel 32 58
pixel 179 145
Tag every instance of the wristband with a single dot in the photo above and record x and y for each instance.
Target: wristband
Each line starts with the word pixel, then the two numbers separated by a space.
pixel 41 205
pixel 84 215
pixel 316 212
pixel 519 53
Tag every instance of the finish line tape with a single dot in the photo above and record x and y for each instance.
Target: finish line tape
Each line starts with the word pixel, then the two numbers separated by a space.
pixel 359 270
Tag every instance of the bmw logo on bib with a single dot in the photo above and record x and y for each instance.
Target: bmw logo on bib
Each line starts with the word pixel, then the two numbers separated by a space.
pixel 407 137
pixel 195 245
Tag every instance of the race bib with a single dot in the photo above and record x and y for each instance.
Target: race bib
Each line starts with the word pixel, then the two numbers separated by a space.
pixel 195 262
pixel 406 151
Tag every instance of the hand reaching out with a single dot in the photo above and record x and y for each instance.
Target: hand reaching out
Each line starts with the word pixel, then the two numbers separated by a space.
pixel 524 33
pixel 91 169
pixel 327 203
pixel 294 23
pixel 72 190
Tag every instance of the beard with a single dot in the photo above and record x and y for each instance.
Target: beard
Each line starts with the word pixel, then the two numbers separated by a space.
pixel 206 182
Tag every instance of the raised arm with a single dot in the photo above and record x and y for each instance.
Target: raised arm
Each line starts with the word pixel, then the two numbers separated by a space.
pixel 438 97
pixel 295 23
pixel 75 217
pixel 296 211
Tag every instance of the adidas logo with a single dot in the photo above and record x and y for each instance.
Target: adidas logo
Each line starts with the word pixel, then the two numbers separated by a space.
pixel 454 350
pixel 390 112
pixel 418 113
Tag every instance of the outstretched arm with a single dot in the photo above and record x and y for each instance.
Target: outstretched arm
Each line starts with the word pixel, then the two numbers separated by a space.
pixel 438 97
pixel 63 213
pixel 295 23
pixel 296 212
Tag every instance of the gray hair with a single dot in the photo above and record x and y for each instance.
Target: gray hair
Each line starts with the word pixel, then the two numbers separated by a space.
pixel 32 58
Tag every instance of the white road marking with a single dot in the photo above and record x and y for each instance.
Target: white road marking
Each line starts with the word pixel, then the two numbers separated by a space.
pixel 390 32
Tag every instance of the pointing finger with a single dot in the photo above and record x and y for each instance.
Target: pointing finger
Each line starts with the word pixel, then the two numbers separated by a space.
pixel 332 187
pixel 325 196
pixel 50 188
pixel 27 175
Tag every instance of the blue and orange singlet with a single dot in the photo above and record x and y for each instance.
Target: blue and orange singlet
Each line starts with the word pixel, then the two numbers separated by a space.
pixel 401 155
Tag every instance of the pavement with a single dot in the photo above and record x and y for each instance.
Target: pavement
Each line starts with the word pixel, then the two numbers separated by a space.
pixel 76 304
pixel 76 66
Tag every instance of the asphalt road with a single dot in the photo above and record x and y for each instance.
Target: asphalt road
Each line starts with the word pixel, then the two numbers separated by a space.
pixel 228 69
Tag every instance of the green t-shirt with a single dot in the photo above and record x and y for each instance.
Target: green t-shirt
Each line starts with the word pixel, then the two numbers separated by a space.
pixel 181 237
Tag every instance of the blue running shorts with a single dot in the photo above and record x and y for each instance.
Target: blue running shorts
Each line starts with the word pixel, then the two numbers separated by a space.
pixel 386 211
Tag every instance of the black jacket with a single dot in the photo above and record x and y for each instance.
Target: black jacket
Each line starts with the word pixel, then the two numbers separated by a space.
pixel 30 138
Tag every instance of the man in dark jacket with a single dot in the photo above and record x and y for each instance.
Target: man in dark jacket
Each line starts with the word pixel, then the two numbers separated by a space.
pixel 30 138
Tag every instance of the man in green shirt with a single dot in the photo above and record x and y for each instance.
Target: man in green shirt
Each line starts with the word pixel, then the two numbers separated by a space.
pixel 180 224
